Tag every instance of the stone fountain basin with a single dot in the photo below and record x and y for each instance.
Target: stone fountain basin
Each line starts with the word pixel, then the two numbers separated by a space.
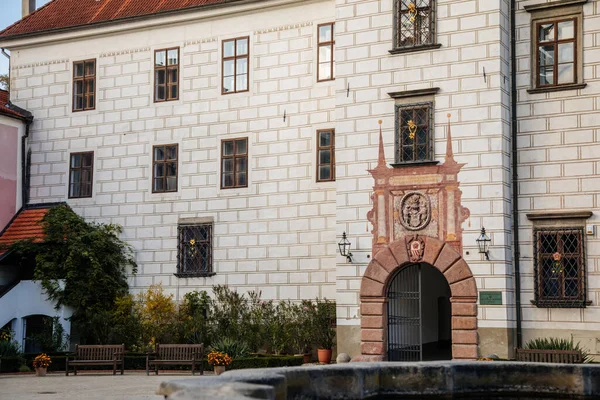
pixel 372 380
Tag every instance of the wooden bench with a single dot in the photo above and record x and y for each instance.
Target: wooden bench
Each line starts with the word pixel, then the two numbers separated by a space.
pixel 550 356
pixel 176 354
pixel 85 355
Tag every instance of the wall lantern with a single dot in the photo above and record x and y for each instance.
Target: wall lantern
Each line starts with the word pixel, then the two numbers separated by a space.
pixel 345 248
pixel 483 242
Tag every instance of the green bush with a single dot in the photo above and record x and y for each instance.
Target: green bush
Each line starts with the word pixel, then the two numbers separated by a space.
pixel 11 364
pixel 234 349
pixel 557 344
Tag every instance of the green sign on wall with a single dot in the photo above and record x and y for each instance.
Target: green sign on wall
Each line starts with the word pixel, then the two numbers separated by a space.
pixel 490 298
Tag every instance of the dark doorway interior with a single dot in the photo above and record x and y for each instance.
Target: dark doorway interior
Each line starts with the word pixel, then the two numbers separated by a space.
pixel 36 326
pixel 419 315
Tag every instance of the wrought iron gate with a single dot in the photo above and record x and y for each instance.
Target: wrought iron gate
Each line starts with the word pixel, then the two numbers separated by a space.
pixel 405 330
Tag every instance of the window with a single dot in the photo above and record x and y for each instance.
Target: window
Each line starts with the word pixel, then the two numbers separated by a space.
pixel 166 74
pixel 235 65
pixel 325 155
pixel 81 169
pixel 234 163
pixel 164 168
pixel 413 141
pixel 84 85
pixel 414 23
pixel 559 267
pixel 325 55
pixel 194 250
pixel 556 53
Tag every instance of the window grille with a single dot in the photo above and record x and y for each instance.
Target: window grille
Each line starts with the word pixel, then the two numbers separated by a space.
pixel 414 23
pixel 414 142
pixel 194 250
pixel 560 279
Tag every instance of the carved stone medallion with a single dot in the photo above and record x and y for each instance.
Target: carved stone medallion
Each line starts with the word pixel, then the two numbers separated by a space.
pixel 416 211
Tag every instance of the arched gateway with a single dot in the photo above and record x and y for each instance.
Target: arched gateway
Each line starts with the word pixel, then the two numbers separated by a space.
pixel 376 287
pixel 416 217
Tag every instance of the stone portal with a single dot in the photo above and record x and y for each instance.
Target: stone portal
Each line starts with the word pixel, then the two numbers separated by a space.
pixel 417 216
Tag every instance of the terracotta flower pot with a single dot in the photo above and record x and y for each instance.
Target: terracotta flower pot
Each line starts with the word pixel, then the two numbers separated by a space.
pixel 324 355
pixel 306 358
pixel 40 371
pixel 219 369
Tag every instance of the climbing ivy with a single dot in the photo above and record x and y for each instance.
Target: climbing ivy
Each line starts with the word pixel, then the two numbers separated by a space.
pixel 82 265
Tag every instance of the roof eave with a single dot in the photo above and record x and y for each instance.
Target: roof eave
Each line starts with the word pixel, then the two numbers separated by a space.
pixel 135 18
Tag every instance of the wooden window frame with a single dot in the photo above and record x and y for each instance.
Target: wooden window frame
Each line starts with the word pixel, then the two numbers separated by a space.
pixel 182 244
pixel 563 301
pixel 81 168
pixel 234 157
pixel 168 85
pixel 555 42
pixel 320 44
pixel 165 162
pixel 235 57
pixel 332 149
pixel 398 139
pixel 85 79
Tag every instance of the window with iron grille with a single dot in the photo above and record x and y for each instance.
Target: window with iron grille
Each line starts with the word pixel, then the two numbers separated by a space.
pixel 166 74
pixel 559 256
pixel 234 163
pixel 413 133
pixel 326 53
pixel 236 54
pixel 81 168
pixel 194 250
pixel 84 85
pixel 164 168
pixel 414 23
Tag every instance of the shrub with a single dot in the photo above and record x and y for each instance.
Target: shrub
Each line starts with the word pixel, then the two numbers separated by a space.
pixel 323 319
pixel 194 318
pixel 157 316
pixel 557 344
pixel 8 347
pixel 53 337
pixel 234 349
pixel 24 368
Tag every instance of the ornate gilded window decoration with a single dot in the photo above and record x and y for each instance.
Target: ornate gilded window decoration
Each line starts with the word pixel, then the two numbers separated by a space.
pixel 414 124
pixel 414 23
pixel 195 250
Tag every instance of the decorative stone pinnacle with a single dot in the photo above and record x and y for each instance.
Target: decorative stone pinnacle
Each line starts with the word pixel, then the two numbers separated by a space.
pixel 381 159
pixel 449 154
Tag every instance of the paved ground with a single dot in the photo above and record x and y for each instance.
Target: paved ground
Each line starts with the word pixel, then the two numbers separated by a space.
pixel 90 386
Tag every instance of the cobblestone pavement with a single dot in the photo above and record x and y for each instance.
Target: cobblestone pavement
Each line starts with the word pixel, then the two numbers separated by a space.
pixel 90 386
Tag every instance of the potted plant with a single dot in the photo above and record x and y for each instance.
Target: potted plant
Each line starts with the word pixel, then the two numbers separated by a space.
pixel 324 319
pixel 219 361
pixel 41 364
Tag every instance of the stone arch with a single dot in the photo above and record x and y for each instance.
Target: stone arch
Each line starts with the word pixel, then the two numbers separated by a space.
pixel 373 296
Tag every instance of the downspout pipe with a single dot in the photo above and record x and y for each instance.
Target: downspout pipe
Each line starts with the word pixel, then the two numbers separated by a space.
pixel 515 175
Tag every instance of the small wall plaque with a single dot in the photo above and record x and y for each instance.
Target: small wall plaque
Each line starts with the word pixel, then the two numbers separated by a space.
pixel 490 298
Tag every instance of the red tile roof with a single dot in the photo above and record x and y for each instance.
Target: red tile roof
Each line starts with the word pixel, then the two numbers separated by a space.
pixel 8 109
pixel 59 14
pixel 25 225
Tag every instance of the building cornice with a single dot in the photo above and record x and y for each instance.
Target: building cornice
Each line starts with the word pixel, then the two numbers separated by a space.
pixel 144 22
